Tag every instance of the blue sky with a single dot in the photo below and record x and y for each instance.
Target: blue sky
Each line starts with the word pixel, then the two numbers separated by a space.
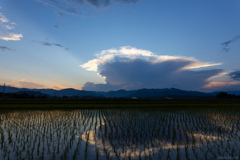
pixel 55 43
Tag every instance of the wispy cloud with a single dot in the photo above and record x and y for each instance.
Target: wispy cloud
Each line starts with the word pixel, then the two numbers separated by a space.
pixel 57 87
pixel 4 48
pixel 226 85
pixel 127 1
pixel 219 84
pixel 6 27
pixel 46 43
pixel 3 19
pixel 98 3
pixel 227 43
pixel 63 6
pixel 132 68
pixel 31 85
pixel 75 7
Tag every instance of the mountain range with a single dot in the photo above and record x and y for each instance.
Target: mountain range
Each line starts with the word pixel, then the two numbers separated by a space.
pixel 168 93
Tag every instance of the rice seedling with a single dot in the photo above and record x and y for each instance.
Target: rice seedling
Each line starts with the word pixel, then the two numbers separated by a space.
pixel 120 134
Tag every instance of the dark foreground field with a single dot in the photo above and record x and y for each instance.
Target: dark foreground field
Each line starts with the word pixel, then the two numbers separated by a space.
pixel 65 129
pixel 126 133
pixel 113 103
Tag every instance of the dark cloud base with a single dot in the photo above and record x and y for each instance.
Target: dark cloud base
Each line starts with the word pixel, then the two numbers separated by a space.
pixel 139 73
pixel 235 75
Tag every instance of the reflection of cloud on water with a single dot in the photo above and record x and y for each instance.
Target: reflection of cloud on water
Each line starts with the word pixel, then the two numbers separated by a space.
pixel 90 139
pixel 197 136
pixel 91 134
pixel 223 120
pixel 135 150
pixel 209 137
pixel 223 117
pixel 127 134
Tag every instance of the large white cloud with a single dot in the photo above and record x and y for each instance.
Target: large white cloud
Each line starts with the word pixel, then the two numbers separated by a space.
pixel 131 68
pixel 6 27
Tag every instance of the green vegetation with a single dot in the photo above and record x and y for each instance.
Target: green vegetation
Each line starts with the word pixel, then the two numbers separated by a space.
pixel 113 103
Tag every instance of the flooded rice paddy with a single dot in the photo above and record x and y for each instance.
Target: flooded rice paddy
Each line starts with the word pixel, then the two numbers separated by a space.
pixel 120 134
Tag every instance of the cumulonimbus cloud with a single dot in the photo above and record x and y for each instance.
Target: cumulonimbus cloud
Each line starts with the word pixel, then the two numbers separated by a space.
pixel 6 27
pixel 75 6
pixel 131 68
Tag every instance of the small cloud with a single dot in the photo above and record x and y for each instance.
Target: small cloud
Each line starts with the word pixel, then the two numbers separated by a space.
pixel 9 27
pixel 131 68
pixel 226 86
pixel 58 45
pixel 99 3
pixel 57 87
pixel 56 26
pixel 46 43
pixel 10 36
pixel 127 1
pixel 5 29
pixel 227 43
pixel 235 75
pixel 219 75
pixel 60 14
pixel 30 85
pixel 3 19
pixel 4 48
pixel 223 86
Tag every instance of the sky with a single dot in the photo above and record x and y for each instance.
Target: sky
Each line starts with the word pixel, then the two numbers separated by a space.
pixel 103 45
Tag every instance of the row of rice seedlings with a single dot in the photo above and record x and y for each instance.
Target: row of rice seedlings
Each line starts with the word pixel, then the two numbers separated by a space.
pixel 118 134
pixel 189 136
pixel 25 140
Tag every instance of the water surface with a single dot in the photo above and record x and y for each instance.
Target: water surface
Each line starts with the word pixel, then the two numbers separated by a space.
pixel 120 134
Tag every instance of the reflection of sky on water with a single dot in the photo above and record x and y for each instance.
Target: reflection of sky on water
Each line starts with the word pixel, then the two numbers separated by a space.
pixel 224 120
pixel 115 133
pixel 140 151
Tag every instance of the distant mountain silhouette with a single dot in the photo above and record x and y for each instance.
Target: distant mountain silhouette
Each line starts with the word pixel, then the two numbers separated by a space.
pixel 140 93
pixel 169 93
pixel 118 94
pixel 13 89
